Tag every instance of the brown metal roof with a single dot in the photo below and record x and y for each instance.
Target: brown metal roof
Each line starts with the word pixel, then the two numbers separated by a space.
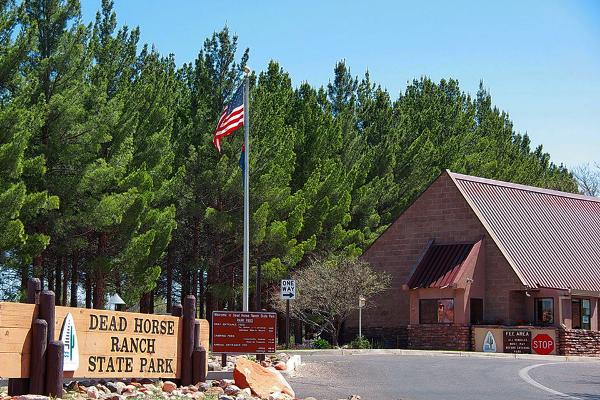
pixel 550 238
pixel 440 267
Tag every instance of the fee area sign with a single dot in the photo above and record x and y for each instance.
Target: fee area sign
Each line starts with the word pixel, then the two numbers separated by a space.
pixel 244 332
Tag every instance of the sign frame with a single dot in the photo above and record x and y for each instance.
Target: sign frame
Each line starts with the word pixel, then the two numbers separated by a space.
pixel 243 314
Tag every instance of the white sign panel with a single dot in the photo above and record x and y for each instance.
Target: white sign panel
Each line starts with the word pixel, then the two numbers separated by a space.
pixel 489 344
pixel 68 336
pixel 288 289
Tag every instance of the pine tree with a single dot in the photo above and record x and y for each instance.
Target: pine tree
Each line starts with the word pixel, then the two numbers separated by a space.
pixel 20 203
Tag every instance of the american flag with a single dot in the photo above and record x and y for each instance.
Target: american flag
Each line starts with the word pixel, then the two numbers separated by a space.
pixel 232 117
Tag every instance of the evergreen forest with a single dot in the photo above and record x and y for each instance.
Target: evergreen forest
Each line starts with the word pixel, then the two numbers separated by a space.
pixel 109 180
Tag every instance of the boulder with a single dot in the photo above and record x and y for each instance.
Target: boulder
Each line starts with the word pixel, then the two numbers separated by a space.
pixel 213 366
pixel 103 389
pixel 31 397
pixel 226 382
pixel 116 387
pixel 215 390
pixel 112 396
pixel 262 381
pixel 130 389
pixel 169 386
pixel 91 392
pixel 232 390
pixel 280 366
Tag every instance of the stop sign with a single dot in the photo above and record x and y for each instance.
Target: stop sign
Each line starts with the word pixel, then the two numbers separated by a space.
pixel 542 344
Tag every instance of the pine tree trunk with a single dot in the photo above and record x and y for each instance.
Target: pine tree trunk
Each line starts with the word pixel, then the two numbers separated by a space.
pixel 74 278
pixel 24 278
pixel 185 284
pixel 151 304
pixel 100 275
pixel 50 273
pixel 298 332
pixel 194 289
pixel 65 286
pixel 38 268
pixel 58 281
pixel 257 291
pixel 196 255
pixel 117 278
pixel 201 295
pixel 169 271
pixel 145 303
pixel 88 290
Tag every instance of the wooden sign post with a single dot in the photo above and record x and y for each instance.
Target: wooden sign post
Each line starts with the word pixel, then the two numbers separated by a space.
pixel 106 344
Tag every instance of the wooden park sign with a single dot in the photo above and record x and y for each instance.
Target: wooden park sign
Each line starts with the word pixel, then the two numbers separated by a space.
pixel 102 344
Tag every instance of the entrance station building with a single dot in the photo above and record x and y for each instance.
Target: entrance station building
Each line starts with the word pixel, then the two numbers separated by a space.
pixel 473 252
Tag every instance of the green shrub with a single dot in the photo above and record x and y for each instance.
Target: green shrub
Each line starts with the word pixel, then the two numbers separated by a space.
pixel 321 343
pixel 360 342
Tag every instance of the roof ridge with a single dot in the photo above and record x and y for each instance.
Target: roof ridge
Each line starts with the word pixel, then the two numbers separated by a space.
pixel 527 188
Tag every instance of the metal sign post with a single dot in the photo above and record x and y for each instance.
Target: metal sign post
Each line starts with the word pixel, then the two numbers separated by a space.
pixel 361 304
pixel 288 292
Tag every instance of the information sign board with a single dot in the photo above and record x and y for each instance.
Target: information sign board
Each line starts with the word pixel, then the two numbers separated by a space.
pixel 517 341
pixel 236 332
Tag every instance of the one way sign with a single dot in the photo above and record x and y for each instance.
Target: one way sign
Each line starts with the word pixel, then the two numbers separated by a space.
pixel 288 289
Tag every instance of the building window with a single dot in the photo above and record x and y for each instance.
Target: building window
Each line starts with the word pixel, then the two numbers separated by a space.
pixel 436 311
pixel 581 313
pixel 544 311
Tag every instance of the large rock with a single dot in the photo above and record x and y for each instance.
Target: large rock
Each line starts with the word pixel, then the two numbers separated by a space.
pixel 92 392
pixel 31 397
pixel 262 381
pixel 280 366
pixel 169 387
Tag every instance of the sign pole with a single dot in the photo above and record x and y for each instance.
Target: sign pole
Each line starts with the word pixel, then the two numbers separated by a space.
pixel 246 271
pixel 360 322
pixel 287 324
pixel 288 292
pixel 361 304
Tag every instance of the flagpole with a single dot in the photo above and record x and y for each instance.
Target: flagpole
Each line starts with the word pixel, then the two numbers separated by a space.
pixel 246 273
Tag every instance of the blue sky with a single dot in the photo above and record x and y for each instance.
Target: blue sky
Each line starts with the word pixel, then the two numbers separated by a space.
pixel 540 60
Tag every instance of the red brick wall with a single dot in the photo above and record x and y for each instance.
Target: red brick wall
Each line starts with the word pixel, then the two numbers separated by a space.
pixel 439 337
pixel 578 342
pixel 440 213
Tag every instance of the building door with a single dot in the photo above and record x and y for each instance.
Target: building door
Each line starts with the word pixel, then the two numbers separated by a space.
pixel 476 311
pixel 581 313
pixel 576 314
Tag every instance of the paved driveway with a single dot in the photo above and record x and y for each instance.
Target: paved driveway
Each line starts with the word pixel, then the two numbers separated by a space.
pixel 393 377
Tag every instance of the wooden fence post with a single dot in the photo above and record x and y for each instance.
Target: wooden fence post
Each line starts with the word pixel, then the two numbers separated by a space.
pixel 37 363
pixel 187 347
pixel 46 312
pixel 196 334
pixel 177 310
pixel 199 364
pixel 54 371
pixel 19 386
pixel 34 286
